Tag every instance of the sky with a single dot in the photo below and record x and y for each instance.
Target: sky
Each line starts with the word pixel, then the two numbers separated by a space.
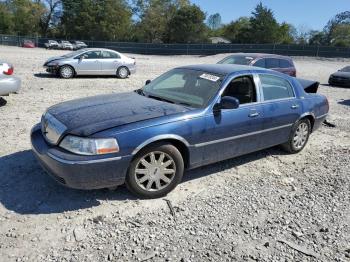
pixel 310 14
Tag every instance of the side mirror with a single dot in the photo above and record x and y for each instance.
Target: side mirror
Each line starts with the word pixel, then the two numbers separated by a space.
pixel 147 82
pixel 227 102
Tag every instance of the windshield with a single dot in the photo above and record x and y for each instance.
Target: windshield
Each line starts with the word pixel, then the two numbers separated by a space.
pixel 237 60
pixel 71 54
pixel 184 86
pixel 345 69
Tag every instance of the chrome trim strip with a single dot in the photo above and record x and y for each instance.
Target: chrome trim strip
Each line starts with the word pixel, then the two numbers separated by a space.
pixel 241 136
pixel 82 162
pixel 321 116
pixel 157 138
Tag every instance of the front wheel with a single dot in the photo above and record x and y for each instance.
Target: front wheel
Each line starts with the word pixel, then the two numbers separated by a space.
pixel 299 136
pixel 155 171
pixel 66 72
pixel 122 72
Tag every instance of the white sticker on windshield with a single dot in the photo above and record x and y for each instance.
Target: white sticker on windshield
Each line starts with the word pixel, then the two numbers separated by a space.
pixel 210 77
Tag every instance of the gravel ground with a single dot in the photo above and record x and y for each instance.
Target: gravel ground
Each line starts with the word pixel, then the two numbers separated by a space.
pixel 265 206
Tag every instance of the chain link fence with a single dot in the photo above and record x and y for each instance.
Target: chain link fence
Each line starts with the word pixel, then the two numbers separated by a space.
pixel 194 49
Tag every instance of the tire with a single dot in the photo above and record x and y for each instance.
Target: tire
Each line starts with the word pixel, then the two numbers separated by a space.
pixel 122 72
pixel 299 136
pixel 148 177
pixel 66 71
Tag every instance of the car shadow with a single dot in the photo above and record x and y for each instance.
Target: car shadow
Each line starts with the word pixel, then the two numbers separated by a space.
pixel 345 102
pixel 3 102
pixel 26 189
pixel 46 75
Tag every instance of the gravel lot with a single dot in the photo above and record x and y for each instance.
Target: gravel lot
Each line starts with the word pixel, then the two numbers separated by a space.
pixel 266 206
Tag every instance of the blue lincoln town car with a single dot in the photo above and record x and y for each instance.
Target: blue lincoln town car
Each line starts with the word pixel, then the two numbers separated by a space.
pixel 188 117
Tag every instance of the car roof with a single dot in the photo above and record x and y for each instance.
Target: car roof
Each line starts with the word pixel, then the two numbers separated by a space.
pixel 261 55
pixel 224 69
pixel 97 49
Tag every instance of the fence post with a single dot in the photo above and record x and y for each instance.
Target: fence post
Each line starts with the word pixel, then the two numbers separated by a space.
pixel 274 48
pixel 318 49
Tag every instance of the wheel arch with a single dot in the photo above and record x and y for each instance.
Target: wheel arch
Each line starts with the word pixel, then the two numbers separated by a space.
pixel 177 141
pixel 310 116
pixel 65 64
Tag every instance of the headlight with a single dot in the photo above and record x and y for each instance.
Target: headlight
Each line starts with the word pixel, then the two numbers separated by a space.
pixel 53 64
pixel 90 146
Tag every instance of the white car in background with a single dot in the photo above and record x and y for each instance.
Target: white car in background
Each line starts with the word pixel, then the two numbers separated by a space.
pixel 8 83
pixel 66 45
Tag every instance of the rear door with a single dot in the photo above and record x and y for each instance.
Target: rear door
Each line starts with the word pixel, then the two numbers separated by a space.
pixel 287 67
pixel 281 109
pixel 89 63
pixel 110 62
pixel 272 63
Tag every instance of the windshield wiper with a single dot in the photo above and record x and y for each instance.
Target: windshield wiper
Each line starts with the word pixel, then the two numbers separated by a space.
pixel 161 99
pixel 140 92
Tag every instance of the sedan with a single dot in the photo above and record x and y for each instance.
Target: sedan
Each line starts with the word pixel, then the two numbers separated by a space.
pixel 66 45
pixel 188 117
pixel 340 78
pixel 8 83
pixel 283 64
pixel 92 61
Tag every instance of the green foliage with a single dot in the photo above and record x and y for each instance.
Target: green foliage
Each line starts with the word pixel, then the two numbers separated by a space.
pixel 6 26
pixel 238 31
pixel 341 35
pixel 187 25
pixel 263 26
pixel 214 21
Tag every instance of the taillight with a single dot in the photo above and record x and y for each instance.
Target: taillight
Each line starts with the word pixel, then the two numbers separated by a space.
pixel 9 71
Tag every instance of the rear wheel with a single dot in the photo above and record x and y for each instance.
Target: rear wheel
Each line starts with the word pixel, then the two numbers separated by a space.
pixel 299 136
pixel 66 71
pixel 122 72
pixel 155 171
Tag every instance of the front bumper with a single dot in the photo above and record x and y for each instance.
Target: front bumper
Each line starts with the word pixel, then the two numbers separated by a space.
pixel 336 81
pixel 9 84
pixel 51 69
pixel 80 172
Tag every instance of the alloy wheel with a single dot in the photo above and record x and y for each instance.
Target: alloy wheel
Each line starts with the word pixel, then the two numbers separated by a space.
pixel 155 171
pixel 301 135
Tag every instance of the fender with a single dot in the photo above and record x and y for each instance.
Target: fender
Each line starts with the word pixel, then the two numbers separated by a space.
pixel 159 138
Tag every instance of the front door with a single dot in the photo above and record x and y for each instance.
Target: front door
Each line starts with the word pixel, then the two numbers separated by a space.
pixel 89 63
pixel 233 132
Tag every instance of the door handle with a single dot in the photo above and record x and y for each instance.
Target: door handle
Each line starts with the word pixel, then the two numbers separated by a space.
pixel 255 114
pixel 295 106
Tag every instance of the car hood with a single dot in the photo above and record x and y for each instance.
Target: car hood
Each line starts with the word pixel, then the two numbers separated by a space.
pixel 84 117
pixel 342 74
pixel 51 59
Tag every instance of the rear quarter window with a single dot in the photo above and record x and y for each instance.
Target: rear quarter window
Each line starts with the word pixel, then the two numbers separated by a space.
pixel 274 87
pixel 272 63
pixel 285 63
pixel 260 63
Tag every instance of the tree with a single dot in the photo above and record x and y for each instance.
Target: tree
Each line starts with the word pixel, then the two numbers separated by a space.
pixel 50 18
pixel 26 16
pixel 6 25
pixel 341 35
pixel 339 19
pixel 238 31
pixel 264 27
pixel 317 38
pixel 85 19
pixel 187 25
pixel 214 21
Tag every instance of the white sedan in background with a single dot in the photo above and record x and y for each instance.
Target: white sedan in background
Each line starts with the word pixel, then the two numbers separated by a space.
pixel 8 83
pixel 91 61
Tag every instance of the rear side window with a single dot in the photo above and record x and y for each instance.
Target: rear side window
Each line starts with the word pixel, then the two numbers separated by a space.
pixel 285 63
pixel 92 55
pixel 274 87
pixel 272 63
pixel 107 54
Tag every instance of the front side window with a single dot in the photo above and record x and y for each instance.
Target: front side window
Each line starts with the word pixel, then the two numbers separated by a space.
pixel 260 63
pixel 184 86
pixel 92 55
pixel 272 63
pixel 242 88
pixel 274 87
pixel 237 60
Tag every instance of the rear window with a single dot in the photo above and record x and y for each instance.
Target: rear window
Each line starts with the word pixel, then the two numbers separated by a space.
pixel 275 87
pixel 237 60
